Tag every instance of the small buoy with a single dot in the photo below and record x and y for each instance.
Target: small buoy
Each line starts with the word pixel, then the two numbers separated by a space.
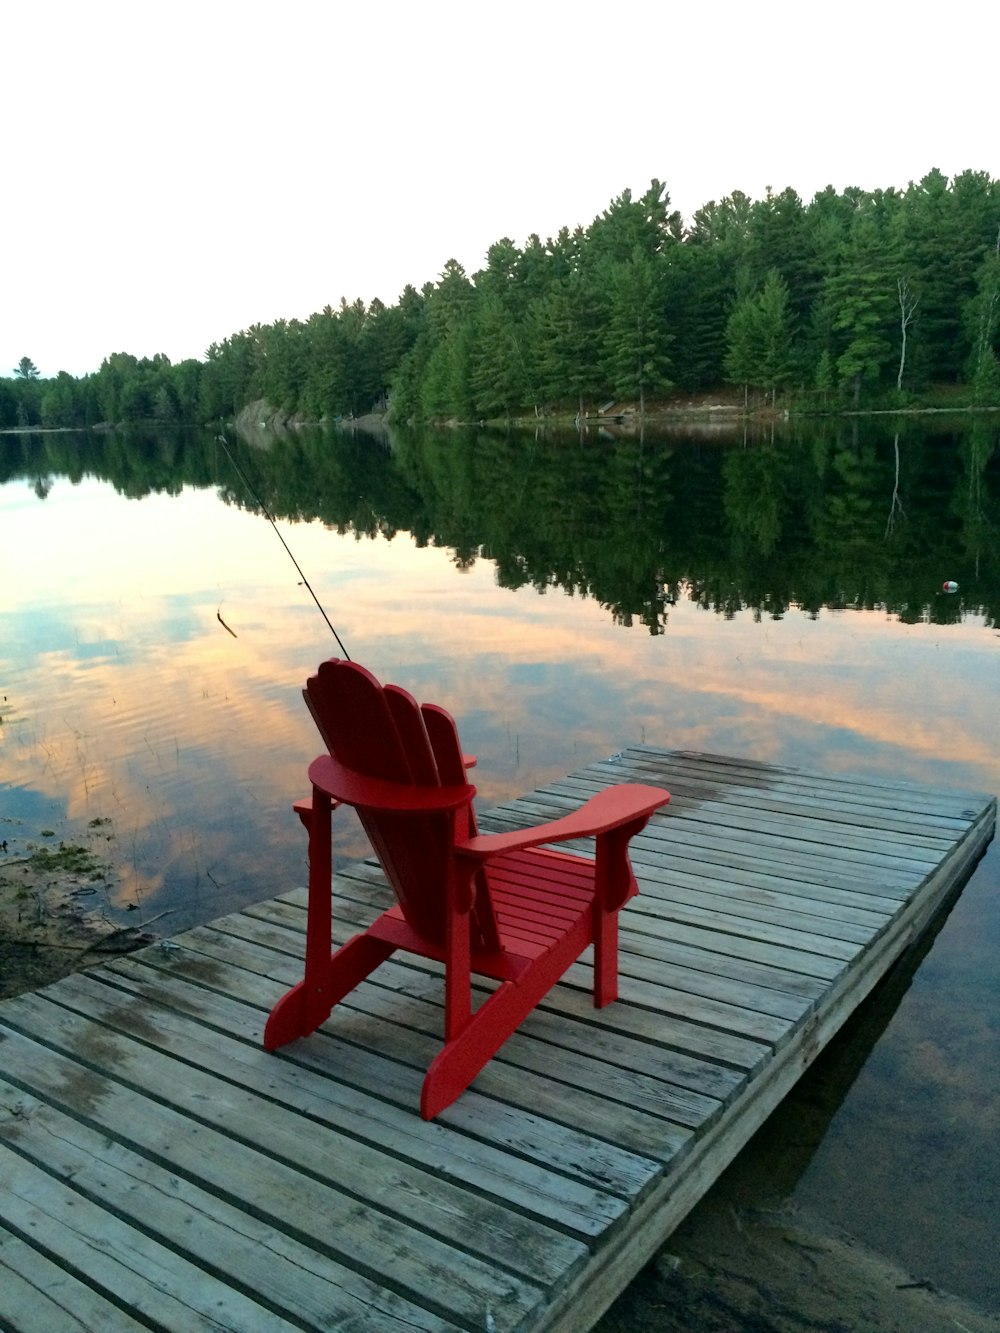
pixel 950 586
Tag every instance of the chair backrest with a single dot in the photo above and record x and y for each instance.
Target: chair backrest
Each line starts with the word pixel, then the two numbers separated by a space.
pixel 382 732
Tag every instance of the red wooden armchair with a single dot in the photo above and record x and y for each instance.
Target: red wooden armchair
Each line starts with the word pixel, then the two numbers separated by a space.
pixel 498 905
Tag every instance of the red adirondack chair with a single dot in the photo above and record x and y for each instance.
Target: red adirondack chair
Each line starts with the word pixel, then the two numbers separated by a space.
pixel 499 905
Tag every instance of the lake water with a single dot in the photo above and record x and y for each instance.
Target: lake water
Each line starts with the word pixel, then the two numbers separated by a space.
pixel 779 598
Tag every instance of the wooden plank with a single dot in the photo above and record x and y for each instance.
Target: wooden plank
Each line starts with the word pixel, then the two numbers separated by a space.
pixel 39 1296
pixel 119 1259
pixel 904 794
pixel 873 810
pixel 521 1133
pixel 722 852
pixel 781 848
pixel 780 968
pixel 715 1084
pixel 361 883
pixel 868 849
pixel 281 1272
pixel 363 887
pixel 374 1243
pixel 756 927
pixel 214 1029
pixel 657 1123
pixel 781 956
pixel 373 1018
pixel 570 793
pixel 641 1011
pixel 754 995
pixel 728 1017
pixel 411 1197
pixel 815 878
pixel 874 791
pixel 680 863
pixel 770 932
pixel 706 1010
pixel 806 894
pixel 719 968
pixel 662 890
pixel 861 832
pixel 742 991
pixel 693 792
pixel 812 871
pixel 699 977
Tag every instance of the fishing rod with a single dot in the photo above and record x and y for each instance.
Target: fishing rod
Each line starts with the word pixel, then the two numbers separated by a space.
pixel 267 514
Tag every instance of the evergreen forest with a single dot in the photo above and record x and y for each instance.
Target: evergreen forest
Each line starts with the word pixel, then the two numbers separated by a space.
pixel 856 300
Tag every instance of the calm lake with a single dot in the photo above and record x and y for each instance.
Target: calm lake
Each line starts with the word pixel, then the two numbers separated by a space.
pixel 778 597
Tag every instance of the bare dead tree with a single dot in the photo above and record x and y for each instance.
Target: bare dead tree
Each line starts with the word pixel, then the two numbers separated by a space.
pixel 987 323
pixel 907 306
pixel 896 505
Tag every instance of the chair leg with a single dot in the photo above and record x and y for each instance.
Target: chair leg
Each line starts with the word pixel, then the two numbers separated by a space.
pixel 457 976
pixel 461 1059
pixel 328 977
pixel 497 1018
pixel 605 958
pixel 306 1006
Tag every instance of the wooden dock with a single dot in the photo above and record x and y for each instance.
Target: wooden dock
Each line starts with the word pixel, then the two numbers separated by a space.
pixel 159 1170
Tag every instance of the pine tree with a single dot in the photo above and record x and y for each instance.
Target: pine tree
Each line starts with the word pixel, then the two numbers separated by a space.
pixel 636 338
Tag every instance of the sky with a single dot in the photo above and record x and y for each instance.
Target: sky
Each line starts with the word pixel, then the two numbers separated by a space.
pixel 178 172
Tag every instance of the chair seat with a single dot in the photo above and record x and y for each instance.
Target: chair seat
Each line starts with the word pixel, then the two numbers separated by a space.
pixel 539 895
pixel 544 902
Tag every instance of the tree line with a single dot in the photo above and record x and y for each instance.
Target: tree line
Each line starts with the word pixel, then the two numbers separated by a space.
pixel 857 298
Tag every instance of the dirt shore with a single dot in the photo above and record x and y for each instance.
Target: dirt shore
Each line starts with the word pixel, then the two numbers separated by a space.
pixel 55 914
pixel 737 1269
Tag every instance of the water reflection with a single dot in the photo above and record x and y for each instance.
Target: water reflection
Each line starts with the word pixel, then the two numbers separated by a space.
pixel 774 613
pixel 910 1156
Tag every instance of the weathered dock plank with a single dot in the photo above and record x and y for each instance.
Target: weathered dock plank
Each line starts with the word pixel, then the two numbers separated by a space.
pixel 158 1166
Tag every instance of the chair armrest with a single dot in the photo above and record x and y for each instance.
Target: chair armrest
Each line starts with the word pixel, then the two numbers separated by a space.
pixel 609 809
pixel 344 784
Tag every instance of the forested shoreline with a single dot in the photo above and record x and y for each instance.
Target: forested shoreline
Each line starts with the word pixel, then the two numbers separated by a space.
pixel 858 299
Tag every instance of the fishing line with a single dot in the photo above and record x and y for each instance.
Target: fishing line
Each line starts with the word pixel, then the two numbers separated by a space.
pixel 267 514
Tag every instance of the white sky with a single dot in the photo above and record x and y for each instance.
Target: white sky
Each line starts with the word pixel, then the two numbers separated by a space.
pixel 176 172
